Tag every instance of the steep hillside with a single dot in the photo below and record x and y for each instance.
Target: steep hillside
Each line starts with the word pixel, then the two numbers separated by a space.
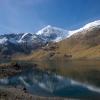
pixel 84 44
pixel 24 43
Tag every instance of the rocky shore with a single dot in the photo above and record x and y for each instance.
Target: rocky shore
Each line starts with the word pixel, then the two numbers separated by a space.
pixel 9 69
pixel 18 94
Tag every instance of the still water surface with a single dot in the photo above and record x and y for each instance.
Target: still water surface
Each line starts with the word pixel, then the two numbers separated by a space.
pixel 49 84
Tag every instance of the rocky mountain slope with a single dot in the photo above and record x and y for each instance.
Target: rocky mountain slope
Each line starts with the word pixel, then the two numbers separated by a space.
pixel 27 42
pixel 83 43
pixel 52 42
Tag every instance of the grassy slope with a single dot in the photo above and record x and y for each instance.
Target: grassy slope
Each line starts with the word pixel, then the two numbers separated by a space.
pixel 83 46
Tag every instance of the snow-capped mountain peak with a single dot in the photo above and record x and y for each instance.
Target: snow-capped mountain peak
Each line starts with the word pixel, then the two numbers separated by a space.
pixel 43 30
pixel 92 24
pixel 49 30
pixel 52 33
pixel 89 26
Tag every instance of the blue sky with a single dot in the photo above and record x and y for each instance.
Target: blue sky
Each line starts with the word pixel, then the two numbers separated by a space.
pixel 31 15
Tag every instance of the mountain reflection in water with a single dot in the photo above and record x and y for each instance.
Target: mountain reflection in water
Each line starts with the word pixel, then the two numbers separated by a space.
pixel 49 84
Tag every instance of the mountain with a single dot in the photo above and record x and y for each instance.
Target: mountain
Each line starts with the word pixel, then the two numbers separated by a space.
pixel 27 42
pixel 8 44
pixel 88 34
pixel 52 42
pixel 54 34
pixel 87 27
pixel 83 43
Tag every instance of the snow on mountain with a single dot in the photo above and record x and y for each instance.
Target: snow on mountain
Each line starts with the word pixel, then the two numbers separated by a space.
pixel 55 34
pixel 25 37
pixel 89 26
pixel 47 34
pixel 3 40
pixel 10 38
pixel 50 33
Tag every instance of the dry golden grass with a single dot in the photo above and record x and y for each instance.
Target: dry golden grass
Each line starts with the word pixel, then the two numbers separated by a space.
pixel 77 52
pixel 81 47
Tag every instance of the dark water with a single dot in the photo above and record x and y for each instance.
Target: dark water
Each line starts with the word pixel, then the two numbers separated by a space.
pixel 74 63
pixel 49 84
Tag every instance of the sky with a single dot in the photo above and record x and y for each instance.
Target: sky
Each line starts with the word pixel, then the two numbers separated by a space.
pixel 31 15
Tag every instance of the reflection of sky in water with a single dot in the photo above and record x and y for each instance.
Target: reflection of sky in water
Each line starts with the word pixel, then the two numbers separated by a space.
pixel 43 83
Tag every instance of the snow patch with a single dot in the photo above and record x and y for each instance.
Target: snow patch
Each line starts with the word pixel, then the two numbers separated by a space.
pixel 3 40
pixel 85 27
pixel 54 34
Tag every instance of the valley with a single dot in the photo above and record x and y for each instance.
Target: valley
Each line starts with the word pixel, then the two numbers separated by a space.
pixel 49 49
pixel 53 60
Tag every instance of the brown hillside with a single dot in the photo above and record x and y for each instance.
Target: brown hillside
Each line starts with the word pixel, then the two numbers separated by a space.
pixel 84 45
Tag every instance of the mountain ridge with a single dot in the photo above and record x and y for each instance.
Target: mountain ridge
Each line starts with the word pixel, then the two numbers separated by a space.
pixel 84 44
pixel 88 36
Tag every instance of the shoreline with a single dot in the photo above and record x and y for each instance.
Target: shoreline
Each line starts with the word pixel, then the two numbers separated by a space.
pixel 19 94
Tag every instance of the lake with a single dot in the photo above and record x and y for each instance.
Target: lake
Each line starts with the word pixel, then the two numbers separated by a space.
pixel 56 83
